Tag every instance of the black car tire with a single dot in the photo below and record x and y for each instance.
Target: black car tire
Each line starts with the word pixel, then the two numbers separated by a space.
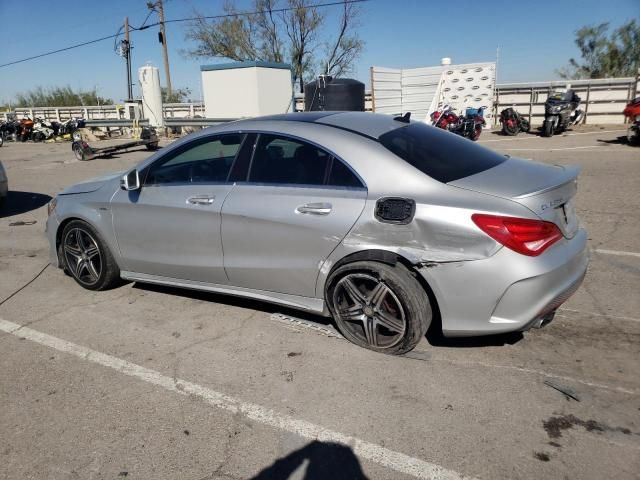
pixel 404 288
pixel 108 275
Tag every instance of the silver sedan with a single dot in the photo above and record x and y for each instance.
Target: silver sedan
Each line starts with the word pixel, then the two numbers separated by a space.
pixel 386 225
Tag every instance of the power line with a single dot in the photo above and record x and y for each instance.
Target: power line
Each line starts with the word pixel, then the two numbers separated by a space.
pixel 248 14
pixel 189 19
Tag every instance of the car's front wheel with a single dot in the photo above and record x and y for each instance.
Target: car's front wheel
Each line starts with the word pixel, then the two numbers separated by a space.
pixel 379 306
pixel 87 258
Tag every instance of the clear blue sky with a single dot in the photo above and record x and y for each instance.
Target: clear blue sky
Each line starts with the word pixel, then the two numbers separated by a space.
pixel 534 37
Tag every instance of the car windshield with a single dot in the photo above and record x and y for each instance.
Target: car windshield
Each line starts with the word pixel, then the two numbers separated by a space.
pixel 442 155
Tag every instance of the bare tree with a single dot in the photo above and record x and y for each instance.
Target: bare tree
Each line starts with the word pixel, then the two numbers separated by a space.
pixel 300 34
pixel 347 47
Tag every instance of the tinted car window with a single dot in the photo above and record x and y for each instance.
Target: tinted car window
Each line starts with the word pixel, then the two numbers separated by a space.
pixel 204 160
pixel 442 155
pixel 341 176
pixel 286 161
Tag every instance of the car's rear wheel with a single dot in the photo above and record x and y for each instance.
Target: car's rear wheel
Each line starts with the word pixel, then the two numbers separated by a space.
pixel 379 306
pixel 87 258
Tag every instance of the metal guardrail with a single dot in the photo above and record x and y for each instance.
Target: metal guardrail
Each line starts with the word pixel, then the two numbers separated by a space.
pixel 196 122
pixel 168 122
pixel 115 122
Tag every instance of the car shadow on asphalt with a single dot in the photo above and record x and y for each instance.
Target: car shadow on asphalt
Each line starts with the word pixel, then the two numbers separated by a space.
pixel 318 461
pixel 434 335
pixel 236 302
pixel 622 140
pixel 17 203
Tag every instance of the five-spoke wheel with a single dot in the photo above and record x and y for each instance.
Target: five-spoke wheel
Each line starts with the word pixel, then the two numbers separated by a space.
pixel 379 306
pixel 85 256
pixel 82 256
pixel 370 309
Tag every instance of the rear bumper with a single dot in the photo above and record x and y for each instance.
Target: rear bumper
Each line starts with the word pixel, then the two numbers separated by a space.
pixel 508 291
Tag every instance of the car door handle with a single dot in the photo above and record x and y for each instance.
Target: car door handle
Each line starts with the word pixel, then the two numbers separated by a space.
pixel 201 200
pixel 315 208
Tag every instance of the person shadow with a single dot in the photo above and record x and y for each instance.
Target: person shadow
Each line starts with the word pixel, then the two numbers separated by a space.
pixel 315 461
pixel 17 203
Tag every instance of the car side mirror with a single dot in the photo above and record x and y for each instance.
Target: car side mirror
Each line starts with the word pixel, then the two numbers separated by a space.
pixel 130 180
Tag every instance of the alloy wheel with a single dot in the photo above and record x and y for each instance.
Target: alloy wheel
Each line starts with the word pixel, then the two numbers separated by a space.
pixel 370 310
pixel 82 256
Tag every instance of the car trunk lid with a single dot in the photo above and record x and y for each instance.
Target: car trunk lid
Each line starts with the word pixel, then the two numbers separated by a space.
pixel 546 190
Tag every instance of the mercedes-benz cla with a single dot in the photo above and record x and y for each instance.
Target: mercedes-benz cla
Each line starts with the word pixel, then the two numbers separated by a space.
pixel 379 222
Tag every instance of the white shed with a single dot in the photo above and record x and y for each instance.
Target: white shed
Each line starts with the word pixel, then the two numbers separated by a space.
pixel 246 89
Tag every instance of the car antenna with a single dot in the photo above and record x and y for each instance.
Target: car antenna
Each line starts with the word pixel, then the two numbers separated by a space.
pixel 403 118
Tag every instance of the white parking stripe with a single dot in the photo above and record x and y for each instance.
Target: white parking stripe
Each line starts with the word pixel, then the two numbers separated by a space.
pixel 529 137
pixel 375 453
pixel 564 148
pixel 616 252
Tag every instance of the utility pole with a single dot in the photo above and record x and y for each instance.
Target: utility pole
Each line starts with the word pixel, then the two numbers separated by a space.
pixel 126 51
pixel 162 37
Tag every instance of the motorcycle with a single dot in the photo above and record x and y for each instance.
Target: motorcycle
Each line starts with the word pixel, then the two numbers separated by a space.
pixel 9 129
pixel 561 111
pixel 469 126
pixel 632 111
pixel 25 129
pixel 70 127
pixel 472 123
pixel 445 118
pixel 41 131
pixel 513 123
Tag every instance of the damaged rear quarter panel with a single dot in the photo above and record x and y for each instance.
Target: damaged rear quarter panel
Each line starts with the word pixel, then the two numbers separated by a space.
pixel 440 232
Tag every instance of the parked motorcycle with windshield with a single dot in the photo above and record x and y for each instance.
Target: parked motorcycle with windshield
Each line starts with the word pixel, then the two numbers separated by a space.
pixel 560 111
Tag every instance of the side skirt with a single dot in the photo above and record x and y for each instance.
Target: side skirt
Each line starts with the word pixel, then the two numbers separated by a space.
pixel 314 305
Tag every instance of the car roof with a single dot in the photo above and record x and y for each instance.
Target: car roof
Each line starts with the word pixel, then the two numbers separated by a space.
pixel 363 123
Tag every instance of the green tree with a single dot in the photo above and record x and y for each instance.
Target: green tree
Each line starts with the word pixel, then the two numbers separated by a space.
pixel 299 36
pixel 603 55
pixel 178 95
pixel 59 97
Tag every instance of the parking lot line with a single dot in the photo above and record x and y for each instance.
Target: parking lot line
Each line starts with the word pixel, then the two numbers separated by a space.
pixel 529 137
pixel 616 252
pixel 589 147
pixel 393 460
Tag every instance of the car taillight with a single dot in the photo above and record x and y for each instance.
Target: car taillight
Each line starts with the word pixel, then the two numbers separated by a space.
pixel 522 235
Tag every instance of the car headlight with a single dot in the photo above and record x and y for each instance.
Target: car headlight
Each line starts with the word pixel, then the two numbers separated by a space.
pixel 637 118
pixel 51 206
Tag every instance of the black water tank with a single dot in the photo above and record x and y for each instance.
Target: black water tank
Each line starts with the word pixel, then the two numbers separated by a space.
pixel 327 93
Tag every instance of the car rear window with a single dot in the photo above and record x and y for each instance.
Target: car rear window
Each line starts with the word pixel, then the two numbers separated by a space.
pixel 442 155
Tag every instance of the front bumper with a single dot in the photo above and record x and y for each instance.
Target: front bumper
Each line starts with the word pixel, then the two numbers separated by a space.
pixel 51 230
pixel 508 291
